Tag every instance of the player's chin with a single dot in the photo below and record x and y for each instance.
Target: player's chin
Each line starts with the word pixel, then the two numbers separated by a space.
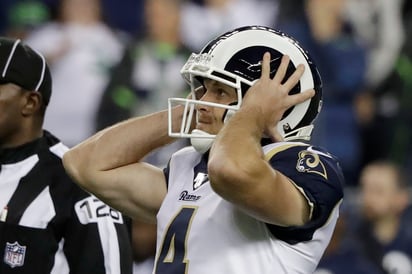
pixel 203 126
pixel 206 128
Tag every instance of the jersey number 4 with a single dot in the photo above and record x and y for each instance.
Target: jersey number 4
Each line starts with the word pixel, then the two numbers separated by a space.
pixel 172 257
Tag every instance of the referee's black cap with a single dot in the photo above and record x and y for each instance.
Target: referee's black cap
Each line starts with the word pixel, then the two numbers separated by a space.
pixel 25 67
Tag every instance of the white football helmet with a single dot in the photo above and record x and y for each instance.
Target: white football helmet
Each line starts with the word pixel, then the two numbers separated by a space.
pixel 234 59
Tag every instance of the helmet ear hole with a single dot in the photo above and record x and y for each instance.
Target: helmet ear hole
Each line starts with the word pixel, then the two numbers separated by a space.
pixel 286 128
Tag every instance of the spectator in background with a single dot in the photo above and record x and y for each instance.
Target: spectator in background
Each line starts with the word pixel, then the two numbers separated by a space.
pixel 201 22
pixel 80 48
pixel 322 30
pixel 387 127
pixel 343 255
pixel 125 15
pixel 148 73
pixel 25 16
pixel 378 23
pixel 384 233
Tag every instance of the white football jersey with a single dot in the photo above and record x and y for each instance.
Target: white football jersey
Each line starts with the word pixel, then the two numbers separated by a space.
pixel 199 232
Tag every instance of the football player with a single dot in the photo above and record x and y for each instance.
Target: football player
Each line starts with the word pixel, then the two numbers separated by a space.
pixel 250 195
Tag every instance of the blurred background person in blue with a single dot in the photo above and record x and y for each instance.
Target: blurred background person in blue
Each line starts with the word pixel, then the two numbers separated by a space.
pixel 321 27
pixel 383 231
pixel 343 254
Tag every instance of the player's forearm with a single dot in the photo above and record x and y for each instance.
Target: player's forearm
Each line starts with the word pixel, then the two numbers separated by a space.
pixel 238 147
pixel 239 173
pixel 120 145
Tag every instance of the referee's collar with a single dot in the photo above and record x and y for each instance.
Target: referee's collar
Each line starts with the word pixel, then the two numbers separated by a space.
pixel 16 154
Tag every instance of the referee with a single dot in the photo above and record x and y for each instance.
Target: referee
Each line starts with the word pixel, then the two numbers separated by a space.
pixel 47 223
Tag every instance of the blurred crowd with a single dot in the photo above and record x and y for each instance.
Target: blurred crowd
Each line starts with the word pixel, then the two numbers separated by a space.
pixel 111 60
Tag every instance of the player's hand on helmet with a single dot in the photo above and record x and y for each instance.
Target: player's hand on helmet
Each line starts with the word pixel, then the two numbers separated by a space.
pixel 270 97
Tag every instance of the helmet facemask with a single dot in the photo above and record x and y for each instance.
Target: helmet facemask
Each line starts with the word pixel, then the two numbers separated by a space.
pixel 195 70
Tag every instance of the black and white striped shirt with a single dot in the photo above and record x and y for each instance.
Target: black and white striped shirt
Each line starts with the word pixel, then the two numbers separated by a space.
pixel 50 225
